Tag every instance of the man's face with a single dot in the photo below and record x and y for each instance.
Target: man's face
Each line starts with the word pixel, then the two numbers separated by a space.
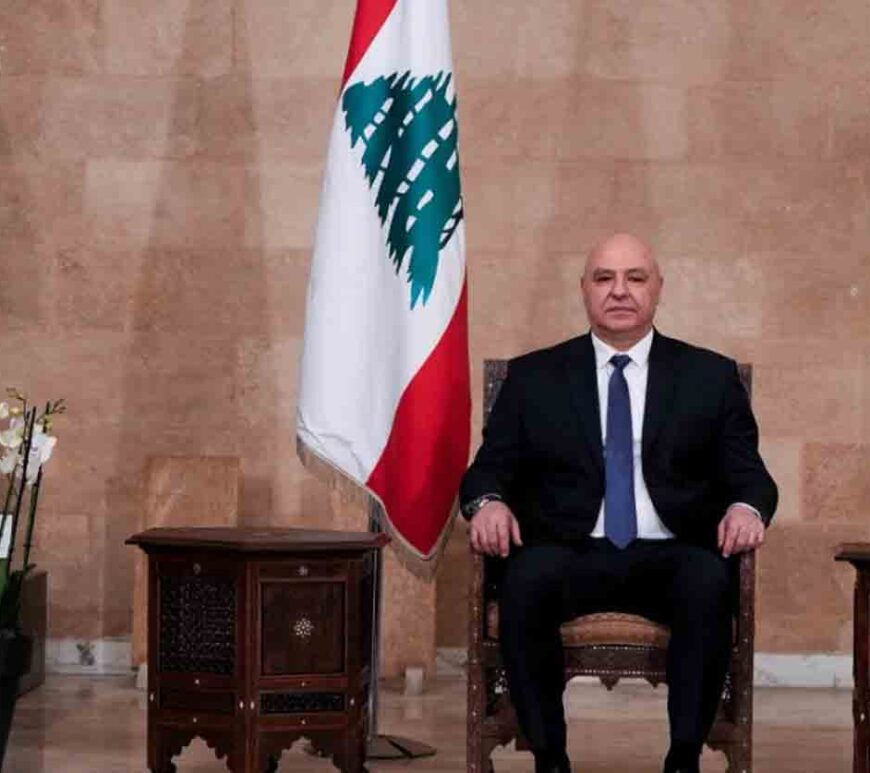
pixel 621 288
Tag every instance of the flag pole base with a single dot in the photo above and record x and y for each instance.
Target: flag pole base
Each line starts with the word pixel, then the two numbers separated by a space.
pixel 393 747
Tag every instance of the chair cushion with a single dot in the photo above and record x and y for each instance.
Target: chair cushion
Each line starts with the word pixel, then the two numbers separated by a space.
pixel 600 628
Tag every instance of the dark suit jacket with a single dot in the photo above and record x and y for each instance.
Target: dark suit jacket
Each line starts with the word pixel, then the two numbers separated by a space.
pixel 542 449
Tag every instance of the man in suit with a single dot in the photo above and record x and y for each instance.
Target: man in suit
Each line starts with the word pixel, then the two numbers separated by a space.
pixel 619 471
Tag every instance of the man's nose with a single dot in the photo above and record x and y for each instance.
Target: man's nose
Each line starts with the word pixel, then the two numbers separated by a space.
pixel 620 287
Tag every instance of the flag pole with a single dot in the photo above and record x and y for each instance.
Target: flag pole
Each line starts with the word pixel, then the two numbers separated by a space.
pixel 380 746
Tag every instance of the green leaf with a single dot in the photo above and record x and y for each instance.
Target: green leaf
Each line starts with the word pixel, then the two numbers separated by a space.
pixel 409 131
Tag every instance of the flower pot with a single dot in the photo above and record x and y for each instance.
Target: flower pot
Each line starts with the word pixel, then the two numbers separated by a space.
pixel 15 652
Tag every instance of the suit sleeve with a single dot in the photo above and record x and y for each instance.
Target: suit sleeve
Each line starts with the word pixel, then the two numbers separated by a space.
pixel 495 466
pixel 743 474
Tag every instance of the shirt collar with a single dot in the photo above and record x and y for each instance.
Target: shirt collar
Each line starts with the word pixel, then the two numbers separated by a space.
pixel 639 353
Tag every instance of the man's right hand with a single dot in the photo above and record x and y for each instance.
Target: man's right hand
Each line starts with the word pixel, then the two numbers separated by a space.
pixel 493 529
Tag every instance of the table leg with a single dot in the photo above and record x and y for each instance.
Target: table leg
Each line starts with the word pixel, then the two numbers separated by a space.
pixel 860 702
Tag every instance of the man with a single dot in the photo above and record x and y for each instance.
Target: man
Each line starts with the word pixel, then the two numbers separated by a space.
pixel 619 471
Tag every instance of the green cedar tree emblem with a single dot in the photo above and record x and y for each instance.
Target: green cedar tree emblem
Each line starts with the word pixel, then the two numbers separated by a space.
pixel 408 128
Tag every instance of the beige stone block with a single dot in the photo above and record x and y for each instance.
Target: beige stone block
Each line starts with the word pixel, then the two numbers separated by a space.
pixel 800 39
pixel 86 370
pixel 24 294
pixel 65 547
pixel 285 214
pixel 408 620
pixel 186 382
pixel 78 477
pixel 219 293
pixel 163 37
pixel 287 286
pixel 120 117
pixel 782 200
pixel 306 38
pixel 549 38
pixel 182 491
pixel 93 288
pixel 265 118
pixel 674 41
pixel 683 209
pixel 453 583
pixel 759 120
pixel 518 305
pixel 783 460
pixel 191 491
pixel 51 36
pixel 710 296
pixel 804 599
pixel 487 193
pixel 865 389
pixel 803 389
pixel 836 486
pixel 487 121
pixel 561 207
pixel 167 204
pixel 625 121
pixel 532 206
pixel 265 430
pixel 490 320
pixel 802 295
pixel 40 200
pixel 348 512
pixel 541 111
pixel 21 106
pixel 485 44
pixel 850 116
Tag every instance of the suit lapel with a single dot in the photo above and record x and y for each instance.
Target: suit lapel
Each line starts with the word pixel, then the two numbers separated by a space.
pixel 583 387
pixel 661 381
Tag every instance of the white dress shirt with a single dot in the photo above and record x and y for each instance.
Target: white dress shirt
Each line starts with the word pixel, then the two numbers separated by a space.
pixel 649 525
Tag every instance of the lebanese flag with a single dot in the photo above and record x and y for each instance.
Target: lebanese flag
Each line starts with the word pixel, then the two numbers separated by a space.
pixel 384 393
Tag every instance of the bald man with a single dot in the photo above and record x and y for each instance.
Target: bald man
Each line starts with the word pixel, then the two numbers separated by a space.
pixel 619 471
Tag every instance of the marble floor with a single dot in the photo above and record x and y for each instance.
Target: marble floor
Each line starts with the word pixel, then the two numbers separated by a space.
pixel 97 725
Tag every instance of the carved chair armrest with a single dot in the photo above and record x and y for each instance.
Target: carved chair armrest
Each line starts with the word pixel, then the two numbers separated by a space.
pixel 745 630
pixel 476 604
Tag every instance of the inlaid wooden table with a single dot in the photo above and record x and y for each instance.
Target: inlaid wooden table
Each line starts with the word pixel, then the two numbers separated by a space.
pixel 858 554
pixel 257 637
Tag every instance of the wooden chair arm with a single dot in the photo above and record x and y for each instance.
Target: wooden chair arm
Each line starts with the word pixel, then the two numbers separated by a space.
pixel 746 608
pixel 476 605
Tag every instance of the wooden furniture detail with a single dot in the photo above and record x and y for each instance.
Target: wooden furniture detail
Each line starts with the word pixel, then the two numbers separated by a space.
pixel 858 554
pixel 256 638
pixel 188 491
pixel 610 646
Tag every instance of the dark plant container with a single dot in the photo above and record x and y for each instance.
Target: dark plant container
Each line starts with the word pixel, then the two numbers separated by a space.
pixel 15 652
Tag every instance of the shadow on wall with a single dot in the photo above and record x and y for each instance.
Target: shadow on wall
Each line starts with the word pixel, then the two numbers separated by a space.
pixel 193 380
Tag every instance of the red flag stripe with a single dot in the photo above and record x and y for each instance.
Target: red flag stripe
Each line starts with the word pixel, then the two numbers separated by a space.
pixel 370 17
pixel 418 474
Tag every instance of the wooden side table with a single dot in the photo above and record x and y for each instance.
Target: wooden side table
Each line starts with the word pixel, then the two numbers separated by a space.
pixel 858 554
pixel 257 637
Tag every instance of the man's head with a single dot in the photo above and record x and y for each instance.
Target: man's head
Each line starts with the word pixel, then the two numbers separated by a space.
pixel 621 285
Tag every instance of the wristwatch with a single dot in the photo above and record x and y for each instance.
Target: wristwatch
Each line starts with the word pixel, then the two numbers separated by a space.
pixel 470 509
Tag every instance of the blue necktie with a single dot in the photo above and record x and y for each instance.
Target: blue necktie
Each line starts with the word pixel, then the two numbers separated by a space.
pixel 620 515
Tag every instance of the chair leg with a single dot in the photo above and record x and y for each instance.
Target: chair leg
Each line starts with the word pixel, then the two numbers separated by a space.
pixel 477 751
pixel 739 756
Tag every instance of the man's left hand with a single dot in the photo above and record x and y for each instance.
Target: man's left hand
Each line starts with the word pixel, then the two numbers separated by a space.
pixel 740 530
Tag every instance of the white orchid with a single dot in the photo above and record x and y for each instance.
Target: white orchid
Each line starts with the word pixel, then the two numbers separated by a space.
pixel 8 462
pixel 12 440
pixel 41 448
pixel 13 437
